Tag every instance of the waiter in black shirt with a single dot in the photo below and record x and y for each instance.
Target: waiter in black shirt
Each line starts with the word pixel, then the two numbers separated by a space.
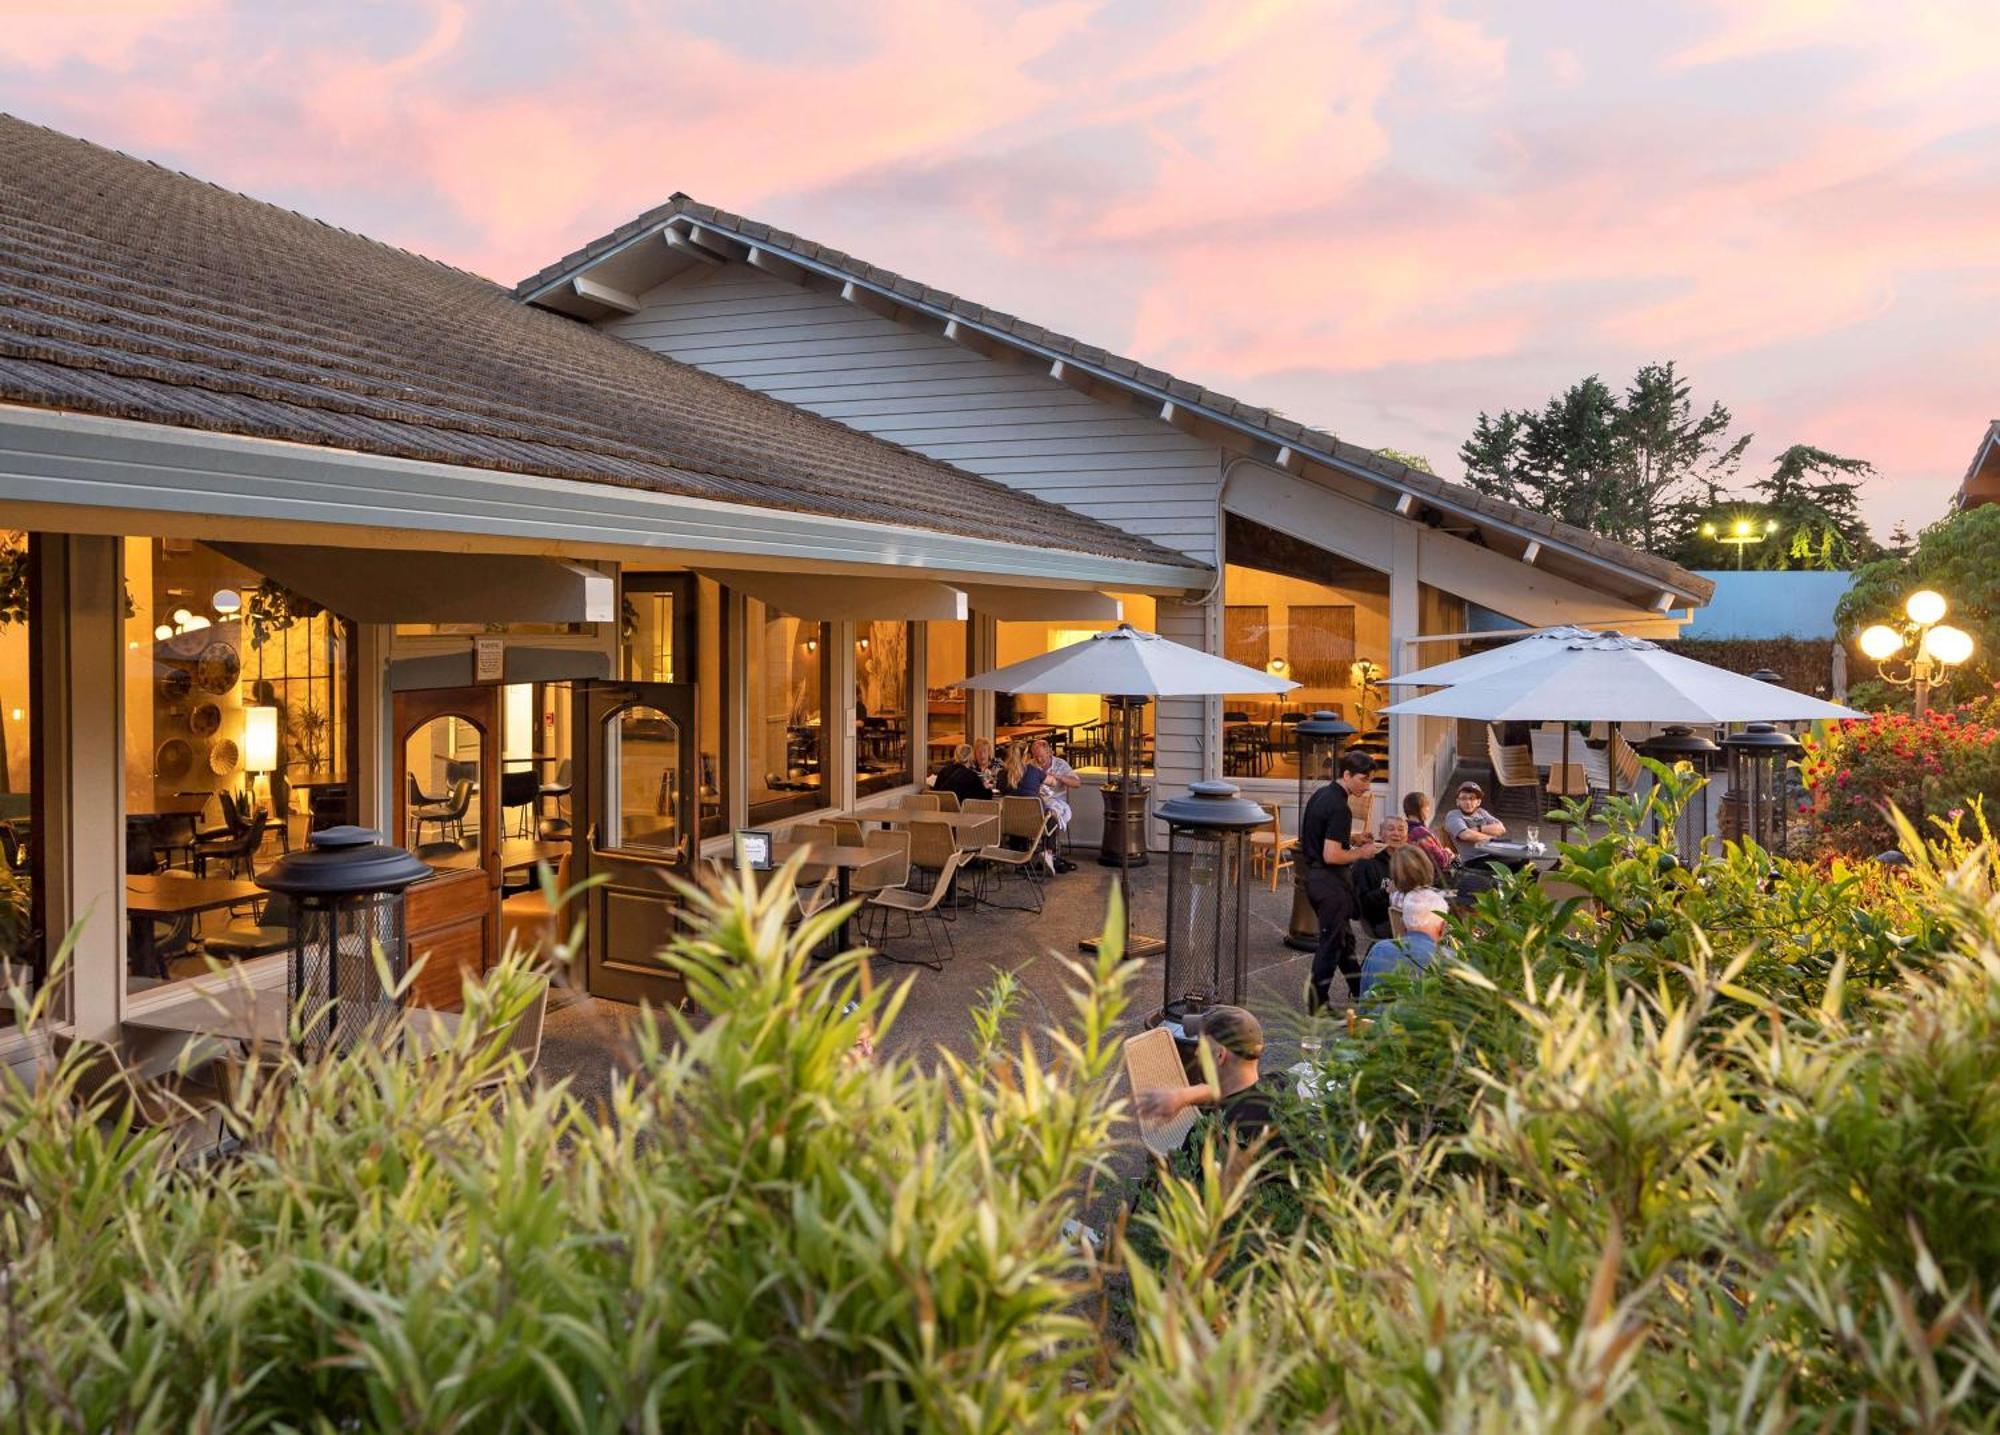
pixel 1326 846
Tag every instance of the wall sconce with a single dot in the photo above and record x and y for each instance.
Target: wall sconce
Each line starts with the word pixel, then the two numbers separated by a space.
pixel 812 645
pixel 1276 667
pixel 861 645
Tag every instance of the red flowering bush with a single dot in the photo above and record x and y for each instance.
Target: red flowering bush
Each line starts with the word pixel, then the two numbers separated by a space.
pixel 1938 767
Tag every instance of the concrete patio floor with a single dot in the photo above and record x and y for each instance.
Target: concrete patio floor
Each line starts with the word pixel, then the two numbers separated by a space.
pixel 587 1040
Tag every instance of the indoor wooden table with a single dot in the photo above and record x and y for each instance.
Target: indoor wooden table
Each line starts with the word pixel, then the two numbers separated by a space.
pixel 167 895
pixel 516 854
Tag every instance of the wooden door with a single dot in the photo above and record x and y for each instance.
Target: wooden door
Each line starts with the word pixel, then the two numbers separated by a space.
pixel 637 804
pixel 453 919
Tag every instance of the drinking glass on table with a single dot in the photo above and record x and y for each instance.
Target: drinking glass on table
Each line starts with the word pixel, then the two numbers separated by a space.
pixel 1534 839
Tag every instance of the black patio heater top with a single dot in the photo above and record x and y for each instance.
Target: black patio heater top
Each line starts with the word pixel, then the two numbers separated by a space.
pixel 1321 738
pixel 1208 913
pixel 1672 747
pixel 346 887
pixel 1760 759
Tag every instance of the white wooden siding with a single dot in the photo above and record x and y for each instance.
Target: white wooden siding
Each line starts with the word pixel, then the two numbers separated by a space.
pixel 1006 420
pixel 1184 729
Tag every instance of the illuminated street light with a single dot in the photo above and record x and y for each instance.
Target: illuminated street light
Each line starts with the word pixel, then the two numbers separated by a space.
pixel 1741 534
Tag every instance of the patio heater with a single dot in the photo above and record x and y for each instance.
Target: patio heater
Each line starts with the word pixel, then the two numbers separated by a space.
pixel 1321 739
pixel 1208 910
pixel 346 887
pixel 1124 843
pixel 1760 759
pixel 1673 746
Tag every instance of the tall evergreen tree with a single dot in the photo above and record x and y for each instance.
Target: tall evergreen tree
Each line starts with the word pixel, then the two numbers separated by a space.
pixel 1632 466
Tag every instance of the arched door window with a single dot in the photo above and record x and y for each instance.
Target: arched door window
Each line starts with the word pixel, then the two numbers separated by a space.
pixel 642 765
pixel 442 778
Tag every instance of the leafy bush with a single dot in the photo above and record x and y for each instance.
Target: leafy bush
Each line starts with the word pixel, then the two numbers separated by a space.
pixel 1941 765
pixel 1703 1149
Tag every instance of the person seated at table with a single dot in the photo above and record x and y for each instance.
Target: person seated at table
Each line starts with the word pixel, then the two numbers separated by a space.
pixel 1413 877
pixel 1021 778
pixel 1417 817
pixel 988 767
pixel 958 777
pixel 1470 826
pixel 1058 781
pixel 1242 1100
pixel 1371 876
pixel 1423 931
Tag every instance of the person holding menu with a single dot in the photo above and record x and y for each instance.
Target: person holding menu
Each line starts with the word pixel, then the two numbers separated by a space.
pixel 1327 848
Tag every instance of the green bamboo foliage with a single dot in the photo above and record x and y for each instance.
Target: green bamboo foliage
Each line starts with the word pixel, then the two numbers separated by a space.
pixel 1708 1149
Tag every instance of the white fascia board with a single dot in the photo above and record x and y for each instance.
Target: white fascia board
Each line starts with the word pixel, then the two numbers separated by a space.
pixel 58 459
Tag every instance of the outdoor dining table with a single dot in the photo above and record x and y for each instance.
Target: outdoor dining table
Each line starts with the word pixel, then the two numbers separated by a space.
pixel 844 862
pixel 167 895
pixel 960 823
pixel 1518 854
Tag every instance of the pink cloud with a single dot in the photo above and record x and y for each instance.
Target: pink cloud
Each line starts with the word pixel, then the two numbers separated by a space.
pixel 1386 215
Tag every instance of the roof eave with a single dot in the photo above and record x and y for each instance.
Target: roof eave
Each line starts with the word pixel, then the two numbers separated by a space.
pixel 551 289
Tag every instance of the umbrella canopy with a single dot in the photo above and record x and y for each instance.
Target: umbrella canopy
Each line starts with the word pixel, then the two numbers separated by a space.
pixel 1605 677
pixel 1126 663
pixel 1493 660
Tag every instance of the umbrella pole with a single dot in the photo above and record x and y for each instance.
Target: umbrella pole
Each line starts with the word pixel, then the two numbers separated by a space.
pixel 1565 776
pixel 1125 822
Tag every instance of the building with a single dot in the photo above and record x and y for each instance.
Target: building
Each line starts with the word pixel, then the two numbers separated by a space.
pixel 1981 483
pixel 694 538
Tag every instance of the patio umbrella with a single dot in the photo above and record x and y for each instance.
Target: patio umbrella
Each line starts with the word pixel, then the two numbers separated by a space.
pixel 1606 677
pixel 1124 663
pixel 1493 660
pixel 1610 678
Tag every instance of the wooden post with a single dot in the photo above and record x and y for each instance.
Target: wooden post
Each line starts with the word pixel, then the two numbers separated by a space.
pixel 79 621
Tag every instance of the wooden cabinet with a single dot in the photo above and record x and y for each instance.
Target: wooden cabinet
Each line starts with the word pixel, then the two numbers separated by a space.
pixel 449 919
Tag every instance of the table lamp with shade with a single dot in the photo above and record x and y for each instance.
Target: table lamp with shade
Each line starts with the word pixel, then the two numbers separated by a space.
pixel 260 743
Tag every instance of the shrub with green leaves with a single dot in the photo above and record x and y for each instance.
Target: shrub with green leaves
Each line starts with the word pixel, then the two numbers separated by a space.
pixel 1710 1149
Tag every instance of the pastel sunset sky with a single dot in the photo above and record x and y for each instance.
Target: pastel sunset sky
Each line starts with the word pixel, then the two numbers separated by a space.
pixel 1378 217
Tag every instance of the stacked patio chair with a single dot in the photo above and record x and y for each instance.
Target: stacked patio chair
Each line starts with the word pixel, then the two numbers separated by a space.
pixel 1514 766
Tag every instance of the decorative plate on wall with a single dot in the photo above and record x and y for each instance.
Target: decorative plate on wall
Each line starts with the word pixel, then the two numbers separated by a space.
pixel 176 685
pixel 172 761
pixel 222 757
pixel 189 643
pixel 205 719
pixel 218 669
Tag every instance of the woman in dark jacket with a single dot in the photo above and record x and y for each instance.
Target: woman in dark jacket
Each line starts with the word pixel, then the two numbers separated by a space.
pixel 958 777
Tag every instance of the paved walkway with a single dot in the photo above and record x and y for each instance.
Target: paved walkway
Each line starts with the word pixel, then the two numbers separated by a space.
pixel 587 1039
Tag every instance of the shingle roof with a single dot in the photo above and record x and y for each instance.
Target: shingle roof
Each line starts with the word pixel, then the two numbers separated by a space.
pixel 133 291
pixel 1280 429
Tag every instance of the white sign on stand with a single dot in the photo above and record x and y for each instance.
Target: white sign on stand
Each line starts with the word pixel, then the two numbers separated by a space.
pixel 489 659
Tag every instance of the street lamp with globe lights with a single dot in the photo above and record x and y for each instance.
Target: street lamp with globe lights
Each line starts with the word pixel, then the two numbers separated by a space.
pixel 1936 646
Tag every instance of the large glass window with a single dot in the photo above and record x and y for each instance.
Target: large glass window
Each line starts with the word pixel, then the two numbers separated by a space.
pixel 20 953
pixel 1299 612
pixel 785 663
pixel 709 730
pixel 649 636
pixel 945 641
pixel 881 705
pixel 1079 724
pixel 237 718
